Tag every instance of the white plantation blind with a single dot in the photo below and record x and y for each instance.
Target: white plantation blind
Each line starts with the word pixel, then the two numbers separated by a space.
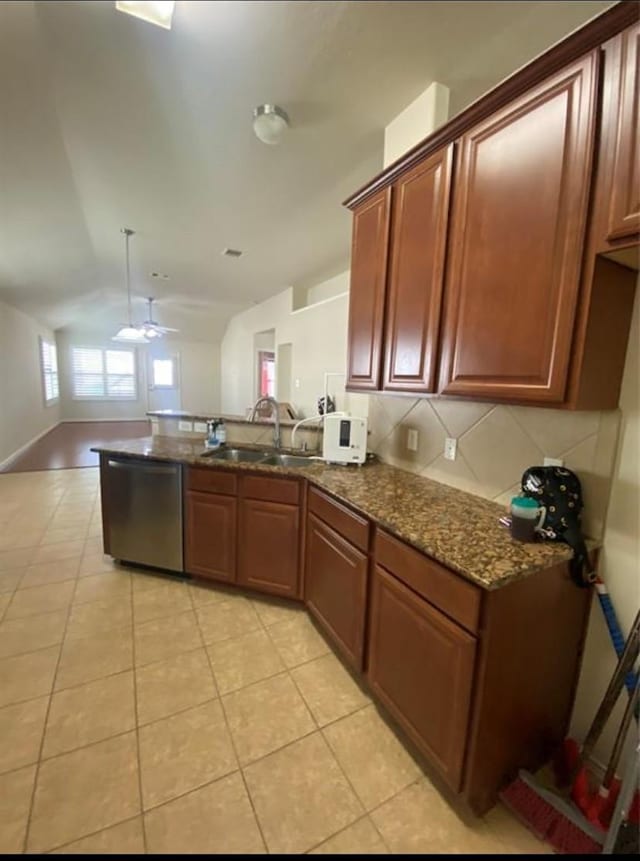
pixel 49 364
pixel 103 374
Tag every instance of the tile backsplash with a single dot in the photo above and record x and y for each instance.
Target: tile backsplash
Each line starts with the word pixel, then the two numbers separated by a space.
pixel 496 443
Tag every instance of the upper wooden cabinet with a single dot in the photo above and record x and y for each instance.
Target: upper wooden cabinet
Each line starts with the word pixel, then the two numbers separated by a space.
pixel 622 75
pixel 414 293
pixel 366 300
pixel 486 240
pixel 516 242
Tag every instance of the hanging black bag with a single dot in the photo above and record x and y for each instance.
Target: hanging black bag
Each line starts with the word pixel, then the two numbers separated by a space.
pixel 559 491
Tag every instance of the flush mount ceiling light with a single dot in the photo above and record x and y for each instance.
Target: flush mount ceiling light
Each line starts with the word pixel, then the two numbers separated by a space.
pixel 129 333
pixel 269 123
pixel 159 12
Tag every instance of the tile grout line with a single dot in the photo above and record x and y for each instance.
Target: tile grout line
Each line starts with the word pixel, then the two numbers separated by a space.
pixel 137 720
pixel 230 734
pixel 36 776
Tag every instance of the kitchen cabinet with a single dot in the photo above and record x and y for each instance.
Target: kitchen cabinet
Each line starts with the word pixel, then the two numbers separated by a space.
pixel 421 668
pixel 369 249
pixel 269 535
pixel 622 76
pixel 501 293
pixel 210 523
pixel 210 535
pixel 416 274
pixel 516 242
pixel 336 588
pixel 446 659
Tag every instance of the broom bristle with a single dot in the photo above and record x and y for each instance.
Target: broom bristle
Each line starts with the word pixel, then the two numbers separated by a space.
pixel 567 838
pixel 537 814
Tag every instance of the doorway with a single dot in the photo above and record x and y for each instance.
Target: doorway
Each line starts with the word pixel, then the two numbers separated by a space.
pixel 163 374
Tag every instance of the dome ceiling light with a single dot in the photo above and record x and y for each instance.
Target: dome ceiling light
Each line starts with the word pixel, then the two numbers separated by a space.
pixel 270 123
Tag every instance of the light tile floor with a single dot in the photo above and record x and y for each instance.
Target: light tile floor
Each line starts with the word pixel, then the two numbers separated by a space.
pixel 140 712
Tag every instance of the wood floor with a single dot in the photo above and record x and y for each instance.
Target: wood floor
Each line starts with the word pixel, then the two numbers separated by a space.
pixel 68 445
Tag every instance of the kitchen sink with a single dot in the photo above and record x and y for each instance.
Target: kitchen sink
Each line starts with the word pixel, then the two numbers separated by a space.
pixel 285 460
pixel 237 455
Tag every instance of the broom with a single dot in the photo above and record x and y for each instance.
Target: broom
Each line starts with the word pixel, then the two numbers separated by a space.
pixel 550 817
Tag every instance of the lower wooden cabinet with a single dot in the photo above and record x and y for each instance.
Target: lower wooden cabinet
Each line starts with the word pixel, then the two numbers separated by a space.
pixel 268 549
pixel 421 667
pixel 336 588
pixel 210 535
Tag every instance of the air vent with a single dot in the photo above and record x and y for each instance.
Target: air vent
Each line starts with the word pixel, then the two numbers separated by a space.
pixel 232 252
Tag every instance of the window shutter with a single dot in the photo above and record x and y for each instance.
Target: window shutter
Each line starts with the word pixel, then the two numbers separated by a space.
pixel 49 362
pixel 103 374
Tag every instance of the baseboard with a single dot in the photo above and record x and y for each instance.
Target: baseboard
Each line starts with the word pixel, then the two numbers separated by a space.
pixel 7 461
pixel 91 421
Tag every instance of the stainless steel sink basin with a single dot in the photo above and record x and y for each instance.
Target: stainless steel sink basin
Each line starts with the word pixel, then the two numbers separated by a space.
pixel 285 460
pixel 236 455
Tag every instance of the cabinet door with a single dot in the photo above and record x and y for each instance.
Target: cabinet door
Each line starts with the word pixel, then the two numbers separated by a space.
pixel 268 550
pixel 366 297
pixel 421 667
pixel 336 588
pixel 624 208
pixel 414 291
pixel 210 535
pixel 516 239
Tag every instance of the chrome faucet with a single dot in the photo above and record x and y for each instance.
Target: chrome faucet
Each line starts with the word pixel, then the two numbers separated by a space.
pixel 276 427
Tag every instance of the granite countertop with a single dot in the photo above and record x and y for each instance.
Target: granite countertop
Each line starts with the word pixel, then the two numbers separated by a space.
pixel 203 417
pixel 460 530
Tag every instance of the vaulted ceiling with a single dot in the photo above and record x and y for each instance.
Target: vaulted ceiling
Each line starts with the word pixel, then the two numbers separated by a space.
pixel 107 121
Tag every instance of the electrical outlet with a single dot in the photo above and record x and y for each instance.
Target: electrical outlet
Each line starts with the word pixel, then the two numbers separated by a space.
pixel 297 383
pixel 185 426
pixel 450 448
pixel 553 461
pixel 412 439
pixel 200 427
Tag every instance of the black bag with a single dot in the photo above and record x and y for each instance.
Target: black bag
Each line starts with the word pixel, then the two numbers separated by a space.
pixel 559 491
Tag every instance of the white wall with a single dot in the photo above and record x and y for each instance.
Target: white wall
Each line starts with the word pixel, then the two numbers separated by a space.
pixel 318 337
pixel 199 365
pixel 620 568
pixel 423 116
pixel 23 414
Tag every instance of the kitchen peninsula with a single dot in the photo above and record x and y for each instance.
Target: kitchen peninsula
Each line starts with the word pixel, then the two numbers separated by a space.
pixel 415 584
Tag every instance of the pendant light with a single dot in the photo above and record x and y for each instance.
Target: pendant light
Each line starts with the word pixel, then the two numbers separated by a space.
pixel 129 333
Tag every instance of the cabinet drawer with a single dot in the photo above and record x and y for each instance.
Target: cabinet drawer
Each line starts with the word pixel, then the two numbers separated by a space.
pixel 352 527
pixel 212 481
pixel 444 589
pixel 285 490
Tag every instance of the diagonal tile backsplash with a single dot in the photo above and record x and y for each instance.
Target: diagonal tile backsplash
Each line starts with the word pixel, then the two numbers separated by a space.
pixel 496 443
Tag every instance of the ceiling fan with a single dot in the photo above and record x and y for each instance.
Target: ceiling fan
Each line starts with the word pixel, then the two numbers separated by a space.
pixel 151 329
pixel 144 332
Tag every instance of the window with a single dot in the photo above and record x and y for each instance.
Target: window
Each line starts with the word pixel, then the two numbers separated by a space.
pixel 49 365
pixel 100 375
pixel 266 373
pixel 163 373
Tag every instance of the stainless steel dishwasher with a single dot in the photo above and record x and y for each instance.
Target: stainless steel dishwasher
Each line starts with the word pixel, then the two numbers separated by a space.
pixel 144 501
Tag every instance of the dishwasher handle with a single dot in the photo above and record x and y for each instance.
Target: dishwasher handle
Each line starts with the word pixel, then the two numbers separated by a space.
pixel 143 467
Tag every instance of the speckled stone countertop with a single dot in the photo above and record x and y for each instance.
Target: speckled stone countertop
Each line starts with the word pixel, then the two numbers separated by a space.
pixel 460 530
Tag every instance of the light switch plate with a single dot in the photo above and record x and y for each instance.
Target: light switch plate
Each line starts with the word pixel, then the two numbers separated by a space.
pixel 450 448
pixel 185 426
pixel 200 427
pixel 412 439
pixel 553 461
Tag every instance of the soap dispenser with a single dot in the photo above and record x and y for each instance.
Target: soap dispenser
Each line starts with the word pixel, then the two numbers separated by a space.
pixel 211 440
